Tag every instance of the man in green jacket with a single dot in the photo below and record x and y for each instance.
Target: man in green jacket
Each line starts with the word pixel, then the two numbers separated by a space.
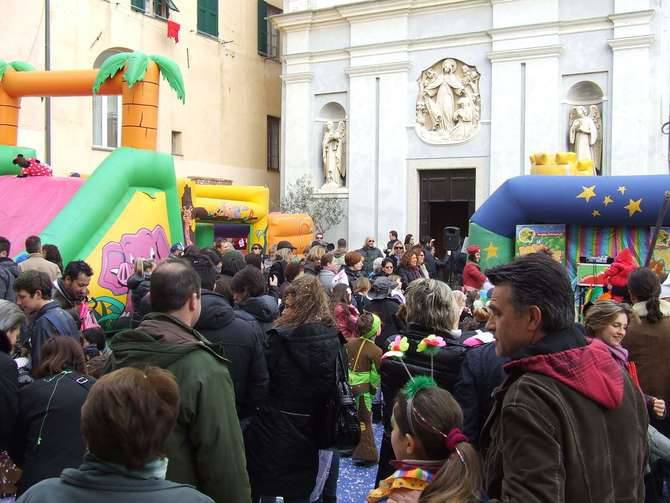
pixel 206 448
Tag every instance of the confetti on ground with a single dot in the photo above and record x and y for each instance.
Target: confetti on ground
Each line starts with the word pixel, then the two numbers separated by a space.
pixel 355 482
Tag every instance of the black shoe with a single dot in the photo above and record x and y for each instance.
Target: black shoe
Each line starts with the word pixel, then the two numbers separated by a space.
pixel 363 463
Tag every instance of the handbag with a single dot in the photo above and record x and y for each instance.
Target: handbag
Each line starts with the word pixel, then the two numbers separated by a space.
pixel 87 320
pixel 338 425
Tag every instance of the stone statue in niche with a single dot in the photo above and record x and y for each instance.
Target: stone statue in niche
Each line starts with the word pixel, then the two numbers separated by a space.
pixel 448 105
pixel 334 171
pixel 586 134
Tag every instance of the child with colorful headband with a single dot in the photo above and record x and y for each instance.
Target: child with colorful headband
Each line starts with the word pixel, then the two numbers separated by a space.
pixel 434 461
pixel 364 362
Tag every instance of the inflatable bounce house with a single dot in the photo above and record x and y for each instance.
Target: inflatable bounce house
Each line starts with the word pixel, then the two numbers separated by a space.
pixel 132 205
pixel 584 221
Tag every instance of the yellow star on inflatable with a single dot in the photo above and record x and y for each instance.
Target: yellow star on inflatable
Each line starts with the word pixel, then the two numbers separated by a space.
pixel 595 213
pixel 491 251
pixel 621 189
pixel 608 200
pixel 633 207
pixel 587 193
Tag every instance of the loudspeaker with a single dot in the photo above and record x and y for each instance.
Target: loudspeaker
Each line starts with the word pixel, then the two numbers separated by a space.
pixel 452 238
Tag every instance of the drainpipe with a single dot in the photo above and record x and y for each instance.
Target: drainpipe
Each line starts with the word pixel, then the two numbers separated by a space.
pixel 47 67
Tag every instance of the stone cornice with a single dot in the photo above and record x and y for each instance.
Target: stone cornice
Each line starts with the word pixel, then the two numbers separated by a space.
pixel 546 51
pixel 294 78
pixel 372 9
pixel 381 69
pixel 632 18
pixel 637 42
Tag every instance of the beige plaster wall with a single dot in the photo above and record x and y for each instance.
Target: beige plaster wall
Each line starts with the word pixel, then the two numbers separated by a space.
pixel 230 89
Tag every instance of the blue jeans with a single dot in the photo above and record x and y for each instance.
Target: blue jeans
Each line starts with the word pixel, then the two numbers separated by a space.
pixel 329 493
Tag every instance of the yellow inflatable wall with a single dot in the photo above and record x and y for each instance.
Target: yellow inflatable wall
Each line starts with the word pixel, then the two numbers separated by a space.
pixel 232 204
pixel 296 228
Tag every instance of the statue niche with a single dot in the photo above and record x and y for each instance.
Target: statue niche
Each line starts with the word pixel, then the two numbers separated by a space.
pixel 334 171
pixel 585 135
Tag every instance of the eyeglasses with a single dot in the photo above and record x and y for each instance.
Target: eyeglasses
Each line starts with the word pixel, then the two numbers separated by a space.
pixel 398 247
pixel 371 240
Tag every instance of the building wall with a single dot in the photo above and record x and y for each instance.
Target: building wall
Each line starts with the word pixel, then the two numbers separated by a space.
pixel 368 55
pixel 230 88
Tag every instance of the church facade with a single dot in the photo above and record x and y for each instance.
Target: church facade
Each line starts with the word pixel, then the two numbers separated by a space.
pixel 413 111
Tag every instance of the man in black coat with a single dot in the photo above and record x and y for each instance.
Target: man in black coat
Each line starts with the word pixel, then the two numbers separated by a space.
pixel 237 340
pixel 252 304
pixel 429 260
pixel 481 372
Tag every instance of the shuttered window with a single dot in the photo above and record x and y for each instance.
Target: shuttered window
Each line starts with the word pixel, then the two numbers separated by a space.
pixel 137 5
pixel 208 17
pixel 268 35
pixel 273 141
pixel 262 28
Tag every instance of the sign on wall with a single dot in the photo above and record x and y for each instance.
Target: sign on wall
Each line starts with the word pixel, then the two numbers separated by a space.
pixel 532 238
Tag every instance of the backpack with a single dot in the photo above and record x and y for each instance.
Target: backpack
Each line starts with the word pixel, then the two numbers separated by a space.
pixel 337 424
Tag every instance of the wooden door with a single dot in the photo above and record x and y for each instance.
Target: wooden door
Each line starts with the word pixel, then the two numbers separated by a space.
pixel 447 198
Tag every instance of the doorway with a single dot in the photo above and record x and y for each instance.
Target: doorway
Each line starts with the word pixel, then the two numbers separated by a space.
pixel 447 198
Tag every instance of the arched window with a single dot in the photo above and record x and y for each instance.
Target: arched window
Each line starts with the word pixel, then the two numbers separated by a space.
pixel 107 111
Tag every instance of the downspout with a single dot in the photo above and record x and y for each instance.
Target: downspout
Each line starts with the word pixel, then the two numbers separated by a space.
pixel 47 67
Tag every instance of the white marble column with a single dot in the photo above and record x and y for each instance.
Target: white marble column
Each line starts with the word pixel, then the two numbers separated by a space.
pixel 632 125
pixel 296 127
pixel 392 182
pixel 525 85
pixel 506 134
pixel 542 106
pixel 362 158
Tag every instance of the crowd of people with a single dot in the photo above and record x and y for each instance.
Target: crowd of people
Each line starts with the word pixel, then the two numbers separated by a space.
pixel 222 380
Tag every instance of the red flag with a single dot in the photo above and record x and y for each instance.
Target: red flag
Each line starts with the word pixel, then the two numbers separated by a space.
pixel 173 30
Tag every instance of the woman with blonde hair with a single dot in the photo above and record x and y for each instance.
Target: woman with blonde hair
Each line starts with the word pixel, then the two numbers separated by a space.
pixel 430 310
pixel 312 263
pixel 283 440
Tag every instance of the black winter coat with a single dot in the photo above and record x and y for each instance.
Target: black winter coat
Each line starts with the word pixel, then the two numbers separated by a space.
pixel 139 286
pixel 481 373
pixel 352 275
pixel 282 455
pixel 447 364
pixel 386 309
pixel 9 271
pixel 9 398
pixel 47 440
pixel 277 269
pixel 430 262
pixel 408 274
pixel 242 344
pixel 264 310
